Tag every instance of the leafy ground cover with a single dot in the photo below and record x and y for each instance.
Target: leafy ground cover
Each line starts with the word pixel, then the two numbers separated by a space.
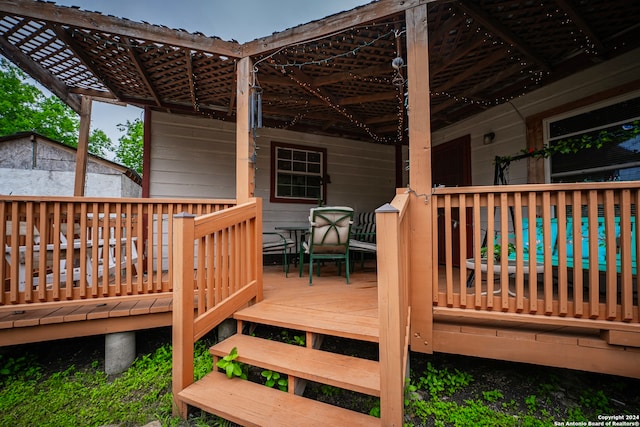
pixel 63 384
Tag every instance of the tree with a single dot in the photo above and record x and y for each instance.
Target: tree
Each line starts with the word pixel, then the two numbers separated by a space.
pixel 99 143
pixel 24 108
pixel 130 147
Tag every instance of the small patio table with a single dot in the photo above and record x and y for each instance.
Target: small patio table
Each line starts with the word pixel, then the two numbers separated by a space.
pixel 293 231
pixel 497 269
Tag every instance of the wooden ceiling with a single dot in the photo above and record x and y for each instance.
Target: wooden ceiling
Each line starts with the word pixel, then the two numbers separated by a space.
pixel 333 76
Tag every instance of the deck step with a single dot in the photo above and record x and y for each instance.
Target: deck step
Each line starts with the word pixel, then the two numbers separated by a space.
pixel 251 404
pixel 363 328
pixel 347 372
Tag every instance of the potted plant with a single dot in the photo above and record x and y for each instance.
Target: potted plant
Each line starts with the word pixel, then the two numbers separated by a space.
pixel 497 251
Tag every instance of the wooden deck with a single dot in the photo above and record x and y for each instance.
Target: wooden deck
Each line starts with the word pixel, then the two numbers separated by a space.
pixel 27 323
pixel 331 307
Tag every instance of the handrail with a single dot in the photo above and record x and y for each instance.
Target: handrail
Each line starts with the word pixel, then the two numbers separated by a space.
pixel 59 249
pixel 217 270
pixel 393 241
pixel 564 274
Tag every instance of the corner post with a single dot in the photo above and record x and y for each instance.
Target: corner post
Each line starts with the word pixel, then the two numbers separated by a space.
pixel 391 338
pixel 245 163
pixel 83 147
pixel 183 292
pixel 421 268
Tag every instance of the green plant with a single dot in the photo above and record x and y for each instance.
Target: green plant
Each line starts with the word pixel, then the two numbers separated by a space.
pixel 492 395
pixel 273 378
pixel 497 251
pixel 231 366
pixel 438 381
pixel 329 390
pixel 532 403
pixel 297 339
pixel 20 367
pixel 375 411
pixel 596 401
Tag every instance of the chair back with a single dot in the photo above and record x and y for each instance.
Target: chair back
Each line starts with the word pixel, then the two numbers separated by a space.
pixel 330 229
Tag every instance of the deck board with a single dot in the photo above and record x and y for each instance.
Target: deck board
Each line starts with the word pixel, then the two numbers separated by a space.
pixel 253 404
pixel 352 373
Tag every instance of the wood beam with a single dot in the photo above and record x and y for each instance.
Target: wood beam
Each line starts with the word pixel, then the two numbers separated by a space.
pixel 421 269
pixel 334 23
pixel 475 68
pixel 382 119
pixel 514 69
pixel 82 153
pixel 108 24
pixel 141 70
pixel 40 74
pixel 192 83
pixel 348 75
pixel 372 97
pixel 576 17
pixel 245 164
pixel 500 31
pixel 325 96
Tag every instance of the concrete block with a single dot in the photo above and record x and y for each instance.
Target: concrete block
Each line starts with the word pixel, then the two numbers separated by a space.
pixel 119 351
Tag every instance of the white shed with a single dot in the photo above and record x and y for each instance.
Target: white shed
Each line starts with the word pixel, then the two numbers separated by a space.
pixel 34 165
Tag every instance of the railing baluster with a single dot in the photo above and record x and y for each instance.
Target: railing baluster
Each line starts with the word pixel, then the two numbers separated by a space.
pixel 594 279
pixel 561 214
pixel 576 244
pixel 490 242
pixel 462 231
pixel 504 251
pixel 477 238
pixel 610 249
pixel 448 238
pixel 533 261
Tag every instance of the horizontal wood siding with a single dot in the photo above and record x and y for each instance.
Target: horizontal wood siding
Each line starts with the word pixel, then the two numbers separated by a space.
pixel 507 120
pixel 195 157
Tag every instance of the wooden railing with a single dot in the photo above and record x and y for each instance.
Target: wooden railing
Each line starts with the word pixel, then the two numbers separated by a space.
pixel 73 249
pixel 582 265
pixel 217 270
pixel 393 248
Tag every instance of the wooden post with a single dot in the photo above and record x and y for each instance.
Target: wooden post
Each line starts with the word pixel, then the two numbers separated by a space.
pixel 390 301
pixel 83 147
pixel 245 166
pixel 421 268
pixel 183 291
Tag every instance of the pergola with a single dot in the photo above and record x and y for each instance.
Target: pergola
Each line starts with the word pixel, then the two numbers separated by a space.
pixel 332 76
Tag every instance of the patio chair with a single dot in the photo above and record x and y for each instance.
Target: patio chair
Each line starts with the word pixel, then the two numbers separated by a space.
pixel 328 238
pixel 363 236
pixel 274 242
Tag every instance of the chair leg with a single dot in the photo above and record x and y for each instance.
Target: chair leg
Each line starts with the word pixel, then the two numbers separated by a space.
pixel 286 263
pixel 310 269
pixel 346 260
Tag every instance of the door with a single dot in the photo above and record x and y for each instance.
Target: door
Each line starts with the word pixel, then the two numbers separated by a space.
pixel 451 167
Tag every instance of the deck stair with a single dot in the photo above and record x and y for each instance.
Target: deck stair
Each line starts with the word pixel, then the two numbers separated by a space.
pixel 251 404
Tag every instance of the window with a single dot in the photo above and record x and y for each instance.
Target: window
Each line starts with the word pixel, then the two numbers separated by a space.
pixel 616 126
pixel 297 173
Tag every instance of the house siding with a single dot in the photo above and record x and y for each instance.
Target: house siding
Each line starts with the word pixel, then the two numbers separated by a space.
pixel 195 157
pixel 508 120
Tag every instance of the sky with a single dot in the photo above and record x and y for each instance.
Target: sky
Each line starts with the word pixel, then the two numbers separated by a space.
pixel 240 20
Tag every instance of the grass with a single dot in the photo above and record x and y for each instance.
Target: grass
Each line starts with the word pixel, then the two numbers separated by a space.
pixel 90 397
pixel 438 394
